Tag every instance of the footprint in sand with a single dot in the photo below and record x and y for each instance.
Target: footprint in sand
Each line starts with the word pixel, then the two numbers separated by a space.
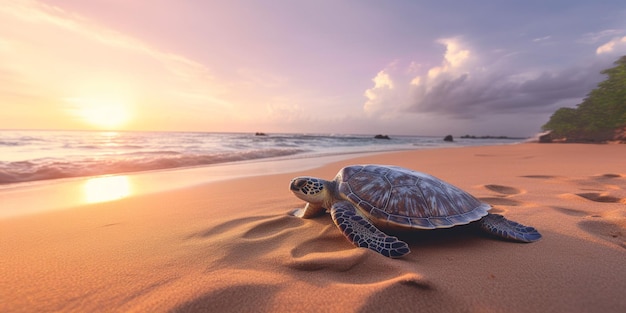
pixel 612 181
pixel 571 212
pixel 612 175
pixel 600 197
pixel 500 201
pixel 607 188
pixel 540 176
pixel 506 190
pixel 605 230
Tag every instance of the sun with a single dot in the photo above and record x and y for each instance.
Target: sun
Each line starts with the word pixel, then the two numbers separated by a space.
pixel 102 113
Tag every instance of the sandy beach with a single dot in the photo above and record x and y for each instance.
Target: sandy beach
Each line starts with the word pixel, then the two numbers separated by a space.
pixel 231 246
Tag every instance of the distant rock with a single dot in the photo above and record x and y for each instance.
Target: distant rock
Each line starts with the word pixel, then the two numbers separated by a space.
pixel 260 134
pixel 619 135
pixel 545 138
pixel 490 137
pixel 381 137
pixel 448 138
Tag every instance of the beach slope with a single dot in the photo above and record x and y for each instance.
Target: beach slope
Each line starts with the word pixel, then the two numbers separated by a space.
pixel 231 246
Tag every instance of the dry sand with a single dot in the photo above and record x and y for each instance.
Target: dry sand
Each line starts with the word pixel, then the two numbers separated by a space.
pixel 231 246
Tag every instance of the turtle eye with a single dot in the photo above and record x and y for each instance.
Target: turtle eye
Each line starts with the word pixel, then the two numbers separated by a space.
pixel 300 183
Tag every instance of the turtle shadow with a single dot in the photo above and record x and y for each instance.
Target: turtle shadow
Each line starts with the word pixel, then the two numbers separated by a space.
pixel 329 245
pixel 460 236
pixel 330 238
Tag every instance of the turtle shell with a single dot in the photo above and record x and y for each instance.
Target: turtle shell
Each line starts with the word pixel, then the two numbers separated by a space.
pixel 396 197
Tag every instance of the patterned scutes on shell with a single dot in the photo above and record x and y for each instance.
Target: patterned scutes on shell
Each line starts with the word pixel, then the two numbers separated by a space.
pixel 397 197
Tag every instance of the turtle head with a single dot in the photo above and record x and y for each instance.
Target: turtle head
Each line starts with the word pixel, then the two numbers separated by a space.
pixel 310 189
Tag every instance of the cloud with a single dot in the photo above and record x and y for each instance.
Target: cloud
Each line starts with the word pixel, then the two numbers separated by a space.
pixel 470 83
pixel 472 94
pixel 381 96
pixel 455 59
pixel 612 46
pixel 542 38
pixel 36 12
pixel 72 45
pixel 595 37
pixel 283 109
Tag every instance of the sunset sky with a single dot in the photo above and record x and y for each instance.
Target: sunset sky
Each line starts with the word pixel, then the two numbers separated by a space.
pixel 354 66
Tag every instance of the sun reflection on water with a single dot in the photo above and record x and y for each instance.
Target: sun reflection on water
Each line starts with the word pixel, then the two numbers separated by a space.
pixel 107 188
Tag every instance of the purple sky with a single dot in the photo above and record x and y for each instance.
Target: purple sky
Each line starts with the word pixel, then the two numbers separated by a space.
pixel 393 67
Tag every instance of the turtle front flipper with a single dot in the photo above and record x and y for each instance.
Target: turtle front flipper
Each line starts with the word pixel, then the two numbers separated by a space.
pixel 497 225
pixel 364 234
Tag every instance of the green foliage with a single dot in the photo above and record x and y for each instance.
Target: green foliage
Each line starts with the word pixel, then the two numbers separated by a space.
pixel 563 122
pixel 600 113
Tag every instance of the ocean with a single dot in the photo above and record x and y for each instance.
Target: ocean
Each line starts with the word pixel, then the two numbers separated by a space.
pixel 29 155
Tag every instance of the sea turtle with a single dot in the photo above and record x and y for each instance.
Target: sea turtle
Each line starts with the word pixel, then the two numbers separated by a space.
pixel 365 198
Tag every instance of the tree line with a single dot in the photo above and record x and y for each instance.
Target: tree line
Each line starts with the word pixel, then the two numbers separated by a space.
pixel 599 116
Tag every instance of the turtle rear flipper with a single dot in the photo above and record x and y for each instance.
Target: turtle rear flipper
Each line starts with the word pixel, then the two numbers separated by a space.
pixel 364 234
pixel 497 225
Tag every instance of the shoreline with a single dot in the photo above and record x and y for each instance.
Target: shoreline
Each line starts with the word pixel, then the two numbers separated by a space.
pixel 41 196
pixel 59 194
pixel 230 245
pixel 49 155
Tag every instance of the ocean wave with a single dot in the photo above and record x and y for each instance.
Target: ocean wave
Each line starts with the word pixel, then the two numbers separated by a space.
pixel 43 169
pixel 156 152
pixel 102 147
pixel 38 155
